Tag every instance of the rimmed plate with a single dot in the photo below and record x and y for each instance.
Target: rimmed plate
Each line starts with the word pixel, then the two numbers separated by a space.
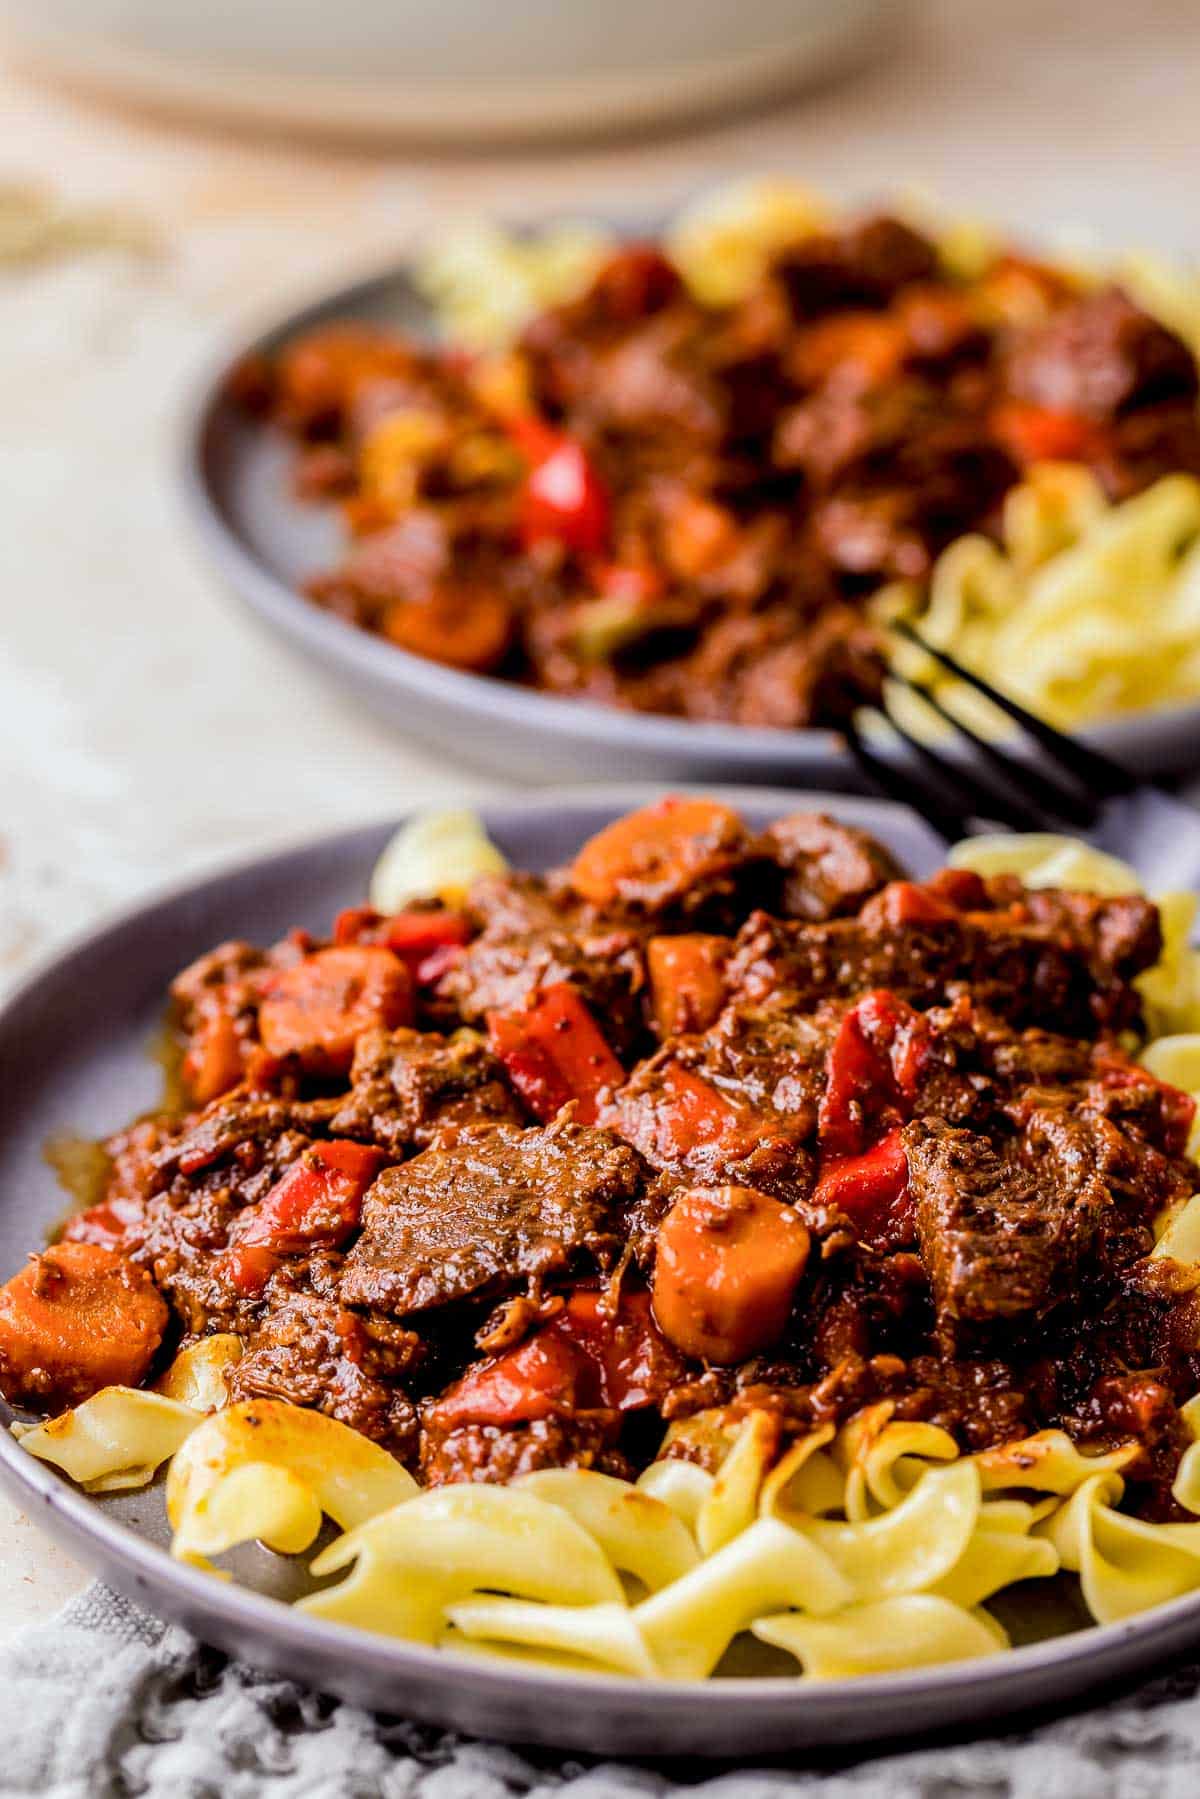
pixel 265 543
pixel 73 1058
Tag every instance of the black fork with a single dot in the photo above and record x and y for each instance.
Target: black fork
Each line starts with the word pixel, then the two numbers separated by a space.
pixel 1073 788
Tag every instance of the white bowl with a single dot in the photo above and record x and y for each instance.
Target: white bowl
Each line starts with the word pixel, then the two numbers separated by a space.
pixel 456 68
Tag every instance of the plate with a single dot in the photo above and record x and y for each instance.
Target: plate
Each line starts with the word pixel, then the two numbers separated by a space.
pixel 73 1058
pixel 462 71
pixel 264 542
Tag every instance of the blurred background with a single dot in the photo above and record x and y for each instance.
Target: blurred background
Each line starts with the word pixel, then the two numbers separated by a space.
pixel 170 173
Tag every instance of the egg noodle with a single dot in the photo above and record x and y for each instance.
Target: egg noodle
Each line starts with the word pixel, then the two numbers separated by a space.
pixel 873 1547
pixel 1084 610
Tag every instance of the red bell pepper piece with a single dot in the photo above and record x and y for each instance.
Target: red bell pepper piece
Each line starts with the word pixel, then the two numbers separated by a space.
pixel 249 1267
pixel 872 1190
pixel 624 1349
pixel 424 941
pixel 563 499
pixel 537 1378
pixel 554 1051
pixel 583 1360
pixel 111 1224
pixel 1040 434
pixel 318 1200
pixel 872 1068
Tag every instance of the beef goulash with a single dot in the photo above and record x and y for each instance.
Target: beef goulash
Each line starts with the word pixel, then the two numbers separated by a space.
pixel 712 1121
pixel 679 507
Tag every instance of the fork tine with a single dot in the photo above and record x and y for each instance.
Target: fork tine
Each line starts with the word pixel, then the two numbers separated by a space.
pixel 1060 804
pixel 948 821
pixel 1104 777
pixel 982 798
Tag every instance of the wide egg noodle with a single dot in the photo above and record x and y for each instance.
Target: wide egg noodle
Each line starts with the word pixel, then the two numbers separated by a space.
pixel 1088 610
pixel 407 1565
pixel 913 1631
pixel 910 1547
pixel 115 1441
pixel 606 1634
pixel 805 1483
pixel 198 1375
pixel 883 1459
pixel 1124 1564
pixel 681 1486
pixel 435 853
pixel 639 1534
pixel 732 1503
pixel 1049 1462
pixel 689 1625
pixel 265 1470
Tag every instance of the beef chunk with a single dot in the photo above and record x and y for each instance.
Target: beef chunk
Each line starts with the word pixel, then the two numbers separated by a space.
pixel 535 933
pixel 498 1207
pixel 311 1352
pixel 1121 935
pixel 865 265
pixel 737 1105
pixel 830 869
pixel 1101 356
pixel 1027 975
pixel 406 1086
pixel 499 1453
pixel 1003 1227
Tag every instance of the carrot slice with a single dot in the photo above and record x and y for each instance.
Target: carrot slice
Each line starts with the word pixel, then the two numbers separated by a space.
pixel 319 1007
pixel 554 1051
pixel 213 1062
pixel 653 855
pixel 687 981
pixel 77 1318
pixel 455 625
pixel 728 1261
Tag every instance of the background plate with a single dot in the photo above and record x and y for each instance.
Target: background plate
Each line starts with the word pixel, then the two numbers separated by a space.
pixel 264 543
pixel 73 1058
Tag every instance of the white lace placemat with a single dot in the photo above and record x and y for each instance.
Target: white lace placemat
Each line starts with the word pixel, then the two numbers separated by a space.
pixel 104 1702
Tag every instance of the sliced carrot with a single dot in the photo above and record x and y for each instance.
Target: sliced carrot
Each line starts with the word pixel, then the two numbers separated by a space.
pixel 320 374
pixel 77 1318
pixel 865 344
pixel 554 1051
pixel 687 981
pixel 728 1261
pixel 655 854
pixel 318 1008
pixel 213 1062
pixel 463 627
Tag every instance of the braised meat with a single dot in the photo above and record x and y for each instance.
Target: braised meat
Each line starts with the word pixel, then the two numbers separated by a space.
pixel 714 1120
pixel 681 507
pixel 406 1087
pixel 494 1210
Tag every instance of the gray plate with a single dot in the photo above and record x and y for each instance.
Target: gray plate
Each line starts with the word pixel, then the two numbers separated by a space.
pixel 73 1057
pixel 265 543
